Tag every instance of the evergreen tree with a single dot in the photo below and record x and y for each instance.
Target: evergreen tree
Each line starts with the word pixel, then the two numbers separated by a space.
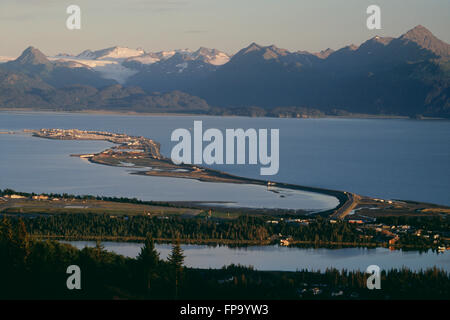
pixel 6 243
pixel 148 260
pixel 6 232
pixel 21 245
pixel 176 259
pixel 99 248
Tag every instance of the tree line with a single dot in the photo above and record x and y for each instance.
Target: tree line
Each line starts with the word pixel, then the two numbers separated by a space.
pixel 33 269
pixel 243 228
pixel 38 269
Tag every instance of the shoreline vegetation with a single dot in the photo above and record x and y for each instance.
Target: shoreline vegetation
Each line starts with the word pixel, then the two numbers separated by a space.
pixel 38 270
pixel 69 217
pixel 241 243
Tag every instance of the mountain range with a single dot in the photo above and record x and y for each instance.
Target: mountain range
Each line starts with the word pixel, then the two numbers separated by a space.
pixel 408 75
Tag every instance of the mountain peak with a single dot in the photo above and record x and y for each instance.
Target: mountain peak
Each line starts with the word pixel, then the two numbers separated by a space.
pixel 323 54
pixel 33 56
pixel 211 56
pixel 427 40
pixel 267 52
pixel 203 51
pixel 252 47
pixel 418 30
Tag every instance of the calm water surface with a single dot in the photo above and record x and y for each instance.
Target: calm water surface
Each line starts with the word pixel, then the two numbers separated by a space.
pixel 287 258
pixel 401 159
pixel 31 164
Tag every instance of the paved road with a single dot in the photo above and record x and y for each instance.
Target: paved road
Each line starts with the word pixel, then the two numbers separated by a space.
pixel 348 206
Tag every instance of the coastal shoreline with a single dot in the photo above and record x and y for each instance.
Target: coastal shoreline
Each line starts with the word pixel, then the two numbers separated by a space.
pixel 140 152
pixel 236 243
pixel 179 114
pixel 148 156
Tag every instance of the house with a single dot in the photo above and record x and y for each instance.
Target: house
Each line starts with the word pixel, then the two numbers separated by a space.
pixel 40 197
pixel 393 240
pixel 300 221
pixel 15 196
pixel 316 291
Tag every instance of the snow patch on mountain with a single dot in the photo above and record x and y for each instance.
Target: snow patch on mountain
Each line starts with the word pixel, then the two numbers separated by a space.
pixel 219 59
pixel 108 69
pixel 182 66
pixel 112 53
pixel 146 58
pixel 116 72
pixel 122 53
pixel 114 63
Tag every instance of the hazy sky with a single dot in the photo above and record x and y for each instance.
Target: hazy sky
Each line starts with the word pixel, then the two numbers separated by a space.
pixel 227 25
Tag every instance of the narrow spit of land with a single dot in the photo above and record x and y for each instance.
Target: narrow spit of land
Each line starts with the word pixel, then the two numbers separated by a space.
pixel 144 153
pixel 364 221
pixel 141 152
pixel 69 217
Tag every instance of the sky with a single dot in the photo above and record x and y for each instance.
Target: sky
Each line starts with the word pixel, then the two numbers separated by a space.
pixel 227 25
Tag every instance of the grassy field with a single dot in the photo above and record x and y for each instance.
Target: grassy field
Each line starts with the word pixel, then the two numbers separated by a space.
pixel 73 206
pixel 371 207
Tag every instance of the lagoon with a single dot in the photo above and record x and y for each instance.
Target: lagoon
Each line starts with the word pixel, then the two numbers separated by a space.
pixel 30 164
pixel 278 258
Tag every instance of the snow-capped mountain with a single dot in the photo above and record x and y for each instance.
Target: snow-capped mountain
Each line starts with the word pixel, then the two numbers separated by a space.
pixel 36 69
pixel 121 63
pixel 108 69
pixel 108 62
pixel 179 68
pixel 407 75
pixel 112 53
pixel 139 62
pixel 210 56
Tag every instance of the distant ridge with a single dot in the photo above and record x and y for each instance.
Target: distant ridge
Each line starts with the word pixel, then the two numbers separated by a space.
pixel 408 75
pixel 32 56
pixel 426 40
